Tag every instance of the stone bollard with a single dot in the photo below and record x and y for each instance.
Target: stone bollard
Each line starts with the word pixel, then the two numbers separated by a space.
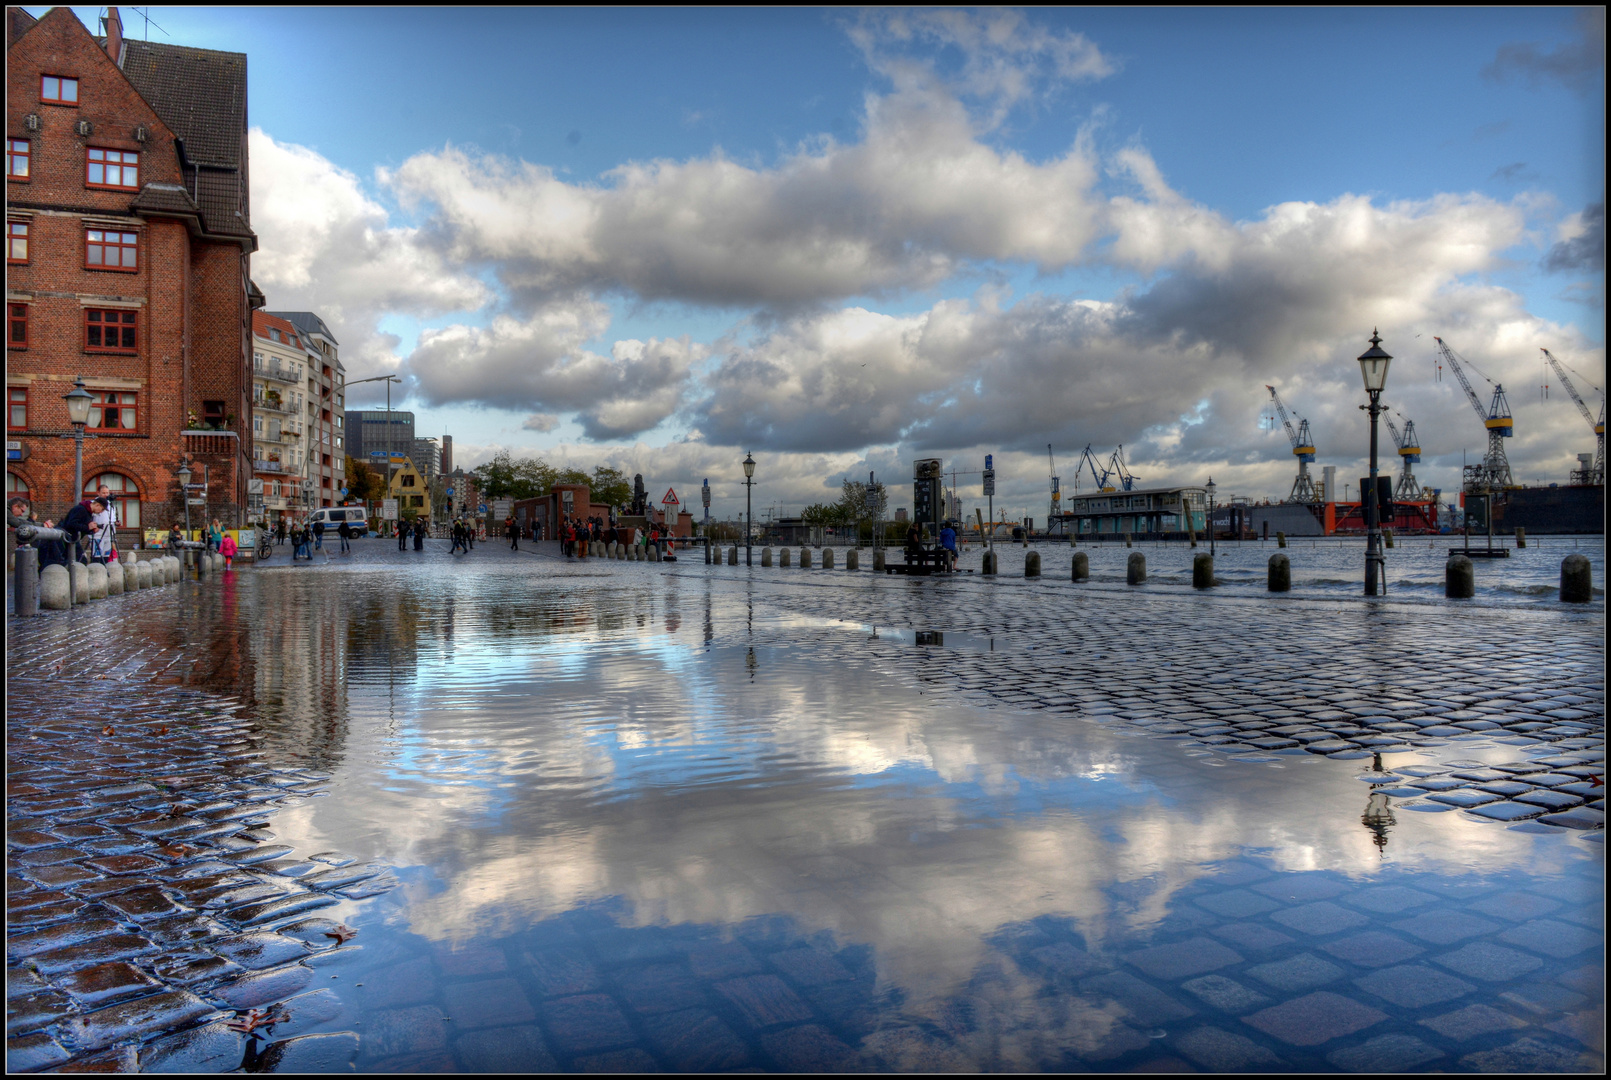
pixel 1081 571
pixel 114 580
pixel 766 556
pixel 1032 564
pixel 732 555
pixel 1387 537
pixel 171 569
pixel 827 558
pixel 805 558
pixel 1577 587
pixel 707 554
pixel 852 560
pixel 1135 571
pixel 1202 571
pixel 1127 542
pixel 989 562
pixel 80 574
pixel 783 557
pixel 1280 575
pixel 142 575
pixel 1459 578
pixel 25 581
pixel 1521 537
pixel 654 554
pixel 131 577
pixel 1280 539
pixel 53 588
pixel 879 565
pixel 621 552
pixel 1071 539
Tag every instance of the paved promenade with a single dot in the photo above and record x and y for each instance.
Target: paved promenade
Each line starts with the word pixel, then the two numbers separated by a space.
pixel 407 810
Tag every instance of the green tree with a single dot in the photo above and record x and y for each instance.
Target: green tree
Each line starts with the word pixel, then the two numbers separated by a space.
pixel 610 486
pixel 496 478
pixel 820 514
pixel 363 483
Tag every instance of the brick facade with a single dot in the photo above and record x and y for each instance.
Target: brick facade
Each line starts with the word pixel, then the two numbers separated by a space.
pixel 183 220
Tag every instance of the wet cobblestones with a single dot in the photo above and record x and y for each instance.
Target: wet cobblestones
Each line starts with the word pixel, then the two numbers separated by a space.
pixel 150 904
pixel 138 856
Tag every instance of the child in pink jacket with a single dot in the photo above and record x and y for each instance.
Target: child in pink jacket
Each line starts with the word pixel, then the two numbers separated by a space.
pixel 227 549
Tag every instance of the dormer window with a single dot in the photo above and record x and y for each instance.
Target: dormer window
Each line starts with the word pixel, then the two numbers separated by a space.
pixel 56 90
pixel 274 333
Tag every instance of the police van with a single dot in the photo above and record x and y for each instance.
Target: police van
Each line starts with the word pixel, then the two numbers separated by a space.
pixel 333 516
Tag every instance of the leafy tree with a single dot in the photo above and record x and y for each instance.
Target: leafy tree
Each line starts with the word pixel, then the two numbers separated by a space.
pixel 820 514
pixel 852 504
pixel 610 486
pixel 363 483
pixel 496 478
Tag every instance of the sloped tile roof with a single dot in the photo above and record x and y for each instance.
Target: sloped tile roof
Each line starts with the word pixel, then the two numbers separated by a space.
pixel 199 93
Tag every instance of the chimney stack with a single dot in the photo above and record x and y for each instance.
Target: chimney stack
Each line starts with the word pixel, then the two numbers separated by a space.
pixel 114 36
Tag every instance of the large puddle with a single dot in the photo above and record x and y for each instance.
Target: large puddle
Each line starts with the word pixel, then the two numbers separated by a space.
pixel 655 821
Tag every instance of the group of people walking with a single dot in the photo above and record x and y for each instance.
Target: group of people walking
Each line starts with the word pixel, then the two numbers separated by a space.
pixel 463 538
pixel 416 532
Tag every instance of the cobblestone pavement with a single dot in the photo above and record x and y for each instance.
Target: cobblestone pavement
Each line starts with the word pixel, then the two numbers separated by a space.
pixel 149 904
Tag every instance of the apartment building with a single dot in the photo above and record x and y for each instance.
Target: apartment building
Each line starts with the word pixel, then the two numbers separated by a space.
pixel 324 435
pixel 280 365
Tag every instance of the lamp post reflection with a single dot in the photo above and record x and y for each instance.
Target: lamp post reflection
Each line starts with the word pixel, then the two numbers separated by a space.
pixel 1378 816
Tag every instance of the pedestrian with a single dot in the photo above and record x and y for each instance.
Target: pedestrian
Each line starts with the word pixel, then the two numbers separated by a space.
pixel 215 535
pixel 16 513
pixel 419 535
pixel 344 534
pixel 175 535
pixel 100 531
pixel 318 535
pixel 512 531
pixel 402 536
pixel 914 543
pixel 227 548
pixel 948 544
pixel 77 525
pixel 469 536
pixel 279 531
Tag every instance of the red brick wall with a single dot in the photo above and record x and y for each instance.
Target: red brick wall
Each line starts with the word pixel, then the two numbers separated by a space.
pixel 189 292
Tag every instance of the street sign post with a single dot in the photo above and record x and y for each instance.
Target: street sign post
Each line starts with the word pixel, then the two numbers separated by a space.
pixel 388 509
pixel 990 490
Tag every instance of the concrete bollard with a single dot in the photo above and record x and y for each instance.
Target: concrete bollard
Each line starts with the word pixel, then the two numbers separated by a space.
pixel 1026 540
pixel 783 558
pixel 114 580
pixel 827 558
pixel 25 581
pixel 1577 586
pixel 1071 538
pixel 1081 570
pixel 1135 570
pixel 1459 578
pixel 53 588
pixel 1521 537
pixel 1280 539
pixel 654 554
pixel 1032 564
pixel 805 558
pixel 1280 575
pixel 131 577
pixel 80 574
pixel 879 564
pixel 989 561
pixel 852 560
pixel 171 569
pixel 1387 537
pixel 1202 571
pixel 707 554
pixel 766 556
pixel 621 552
pixel 1127 542
pixel 732 555
pixel 142 575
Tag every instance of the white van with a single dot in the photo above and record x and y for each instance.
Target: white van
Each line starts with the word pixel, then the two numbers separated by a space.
pixel 333 516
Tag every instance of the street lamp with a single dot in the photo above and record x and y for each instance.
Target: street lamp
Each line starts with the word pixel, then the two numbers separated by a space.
pixel 1210 488
pixel 1373 366
pixel 184 475
pixel 78 401
pixel 749 514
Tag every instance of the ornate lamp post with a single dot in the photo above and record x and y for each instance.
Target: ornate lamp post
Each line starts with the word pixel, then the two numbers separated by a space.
pixel 1373 366
pixel 184 474
pixel 1210 488
pixel 78 401
pixel 749 514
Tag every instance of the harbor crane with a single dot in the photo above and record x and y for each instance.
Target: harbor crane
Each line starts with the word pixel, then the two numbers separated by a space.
pixel 1088 461
pixel 1494 472
pixel 1596 473
pixel 1409 453
pixel 1117 467
pixel 1303 448
pixel 1057 487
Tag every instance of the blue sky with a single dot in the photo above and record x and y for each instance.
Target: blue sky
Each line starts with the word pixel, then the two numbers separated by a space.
pixel 1238 111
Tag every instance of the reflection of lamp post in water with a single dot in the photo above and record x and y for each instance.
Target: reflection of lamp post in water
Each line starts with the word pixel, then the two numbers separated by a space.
pixel 1378 816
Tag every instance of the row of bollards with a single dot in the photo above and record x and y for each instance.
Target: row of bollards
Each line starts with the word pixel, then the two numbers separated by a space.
pixel 1460 579
pixel 58 587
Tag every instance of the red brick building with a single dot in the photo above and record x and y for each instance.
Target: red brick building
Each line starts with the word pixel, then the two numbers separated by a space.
pixel 128 259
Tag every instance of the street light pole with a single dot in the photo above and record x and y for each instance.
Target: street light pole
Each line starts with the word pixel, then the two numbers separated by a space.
pixel 78 401
pixel 1373 366
pixel 184 475
pixel 1212 550
pixel 749 513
